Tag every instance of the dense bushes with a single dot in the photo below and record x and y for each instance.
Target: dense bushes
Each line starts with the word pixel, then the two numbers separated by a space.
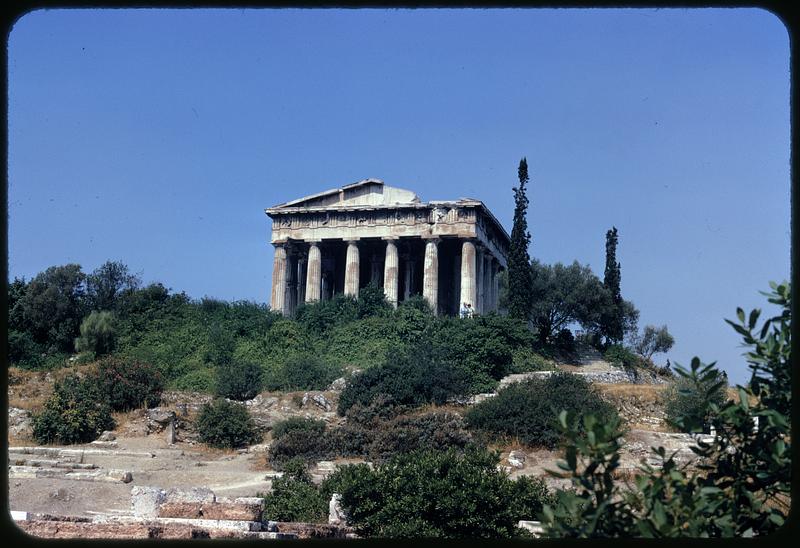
pixel 294 498
pixel 528 410
pixel 443 494
pixel 412 376
pixel 304 371
pixel 376 439
pixel 76 412
pixel 238 381
pixel 226 424
pixel 128 384
pixel 685 402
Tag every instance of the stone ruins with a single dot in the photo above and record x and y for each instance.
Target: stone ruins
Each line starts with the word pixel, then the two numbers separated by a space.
pixel 338 241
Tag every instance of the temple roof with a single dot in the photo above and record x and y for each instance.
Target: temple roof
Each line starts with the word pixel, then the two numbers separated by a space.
pixel 369 192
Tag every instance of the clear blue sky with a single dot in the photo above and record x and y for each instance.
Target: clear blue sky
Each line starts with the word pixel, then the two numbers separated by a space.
pixel 157 137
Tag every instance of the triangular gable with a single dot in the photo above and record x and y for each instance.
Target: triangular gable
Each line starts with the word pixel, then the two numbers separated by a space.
pixel 369 192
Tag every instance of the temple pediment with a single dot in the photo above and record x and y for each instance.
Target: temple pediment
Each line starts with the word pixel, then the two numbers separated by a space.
pixel 369 192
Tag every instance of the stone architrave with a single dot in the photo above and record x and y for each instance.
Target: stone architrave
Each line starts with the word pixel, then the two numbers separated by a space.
pixel 430 282
pixel 352 268
pixel 468 273
pixel 278 300
pixel 314 273
pixel 390 273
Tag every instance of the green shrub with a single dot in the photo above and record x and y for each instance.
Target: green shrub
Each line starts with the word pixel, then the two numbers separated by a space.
pixel 98 333
pixel 320 316
pixel 526 360
pixel 565 340
pixel 298 444
pixel 443 494
pixel 197 380
pixel 529 410
pixel 414 376
pixel 436 430
pixel 372 302
pixel 298 424
pixel 302 372
pixel 238 381
pixel 226 424
pixel 365 343
pixel 294 498
pixel 686 402
pixel 620 356
pixel 23 351
pixel 76 412
pixel 128 384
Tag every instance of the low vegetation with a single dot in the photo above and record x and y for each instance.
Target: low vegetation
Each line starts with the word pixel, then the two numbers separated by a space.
pixel 226 425
pixel 527 411
pixel 76 412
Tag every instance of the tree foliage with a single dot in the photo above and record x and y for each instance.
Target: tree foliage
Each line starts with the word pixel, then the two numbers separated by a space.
pixel 612 324
pixel 654 340
pixel 437 494
pixel 53 306
pixel 519 275
pixel 106 283
pixel 76 412
pixel 98 334
pixel 740 485
pixel 226 424
pixel 527 410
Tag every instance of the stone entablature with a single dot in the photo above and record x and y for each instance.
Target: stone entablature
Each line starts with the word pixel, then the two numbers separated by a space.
pixel 320 240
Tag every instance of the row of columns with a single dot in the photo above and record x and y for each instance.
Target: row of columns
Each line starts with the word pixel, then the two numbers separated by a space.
pixel 479 280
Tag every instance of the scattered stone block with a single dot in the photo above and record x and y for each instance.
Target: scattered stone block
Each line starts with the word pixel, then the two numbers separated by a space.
pixel 535 527
pixel 108 435
pixel 338 385
pixel 169 432
pixel 145 501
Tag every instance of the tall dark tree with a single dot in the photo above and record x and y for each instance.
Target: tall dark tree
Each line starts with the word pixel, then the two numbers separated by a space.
pixel 107 283
pixel 520 292
pixel 613 322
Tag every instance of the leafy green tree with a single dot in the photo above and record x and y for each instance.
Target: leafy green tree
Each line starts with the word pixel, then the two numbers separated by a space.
pixel 437 494
pixel 563 295
pixel 53 306
pixel 106 283
pixel 519 272
pixel 654 340
pixel 76 412
pixel 740 485
pixel 16 291
pixel 98 333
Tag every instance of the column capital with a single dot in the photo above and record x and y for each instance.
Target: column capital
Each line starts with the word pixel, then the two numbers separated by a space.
pixel 432 239
pixel 279 243
pixel 390 238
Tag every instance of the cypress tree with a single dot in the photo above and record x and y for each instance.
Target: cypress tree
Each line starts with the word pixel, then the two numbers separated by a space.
pixel 613 323
pixel 520 296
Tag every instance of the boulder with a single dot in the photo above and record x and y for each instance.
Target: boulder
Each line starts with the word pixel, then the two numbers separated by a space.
pixel 338 385
pixel 19 422
pixel 107 435
pixel 516 459
pixel 145 501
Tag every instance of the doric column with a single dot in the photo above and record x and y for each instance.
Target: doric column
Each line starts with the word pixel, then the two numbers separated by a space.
pixel 408 276
pixel 278 300
pixel 430 280
pixel 479 293
pixel 468 273
pixel 302 269
pixel 351 269
pixel 291 283
pixel 496 286
pixel 314 273
pixel 390 272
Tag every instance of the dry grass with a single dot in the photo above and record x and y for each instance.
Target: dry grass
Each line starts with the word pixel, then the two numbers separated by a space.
pixel 645 391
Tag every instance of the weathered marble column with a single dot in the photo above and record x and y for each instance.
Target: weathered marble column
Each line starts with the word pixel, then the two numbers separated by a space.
pixel 351 269
pixel 278 300
pixel 430 276
pixel 390 266
pixel 314 273
pixel 468 273
pixel 408 276
pixel 497 287
pixel 479 293
pixel 486 303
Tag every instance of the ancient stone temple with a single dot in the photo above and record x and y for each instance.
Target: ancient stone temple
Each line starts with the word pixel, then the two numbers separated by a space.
pixel 338 241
